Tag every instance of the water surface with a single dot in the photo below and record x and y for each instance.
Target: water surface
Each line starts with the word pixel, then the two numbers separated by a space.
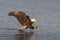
pixel 47 12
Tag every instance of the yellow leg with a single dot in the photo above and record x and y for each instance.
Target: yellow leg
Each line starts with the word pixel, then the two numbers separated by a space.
pixel 35 27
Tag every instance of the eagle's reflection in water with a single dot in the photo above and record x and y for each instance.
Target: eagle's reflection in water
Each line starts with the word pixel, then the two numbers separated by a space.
pixel 25 36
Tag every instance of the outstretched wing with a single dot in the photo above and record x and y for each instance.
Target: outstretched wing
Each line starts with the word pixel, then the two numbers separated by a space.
pixel 27 16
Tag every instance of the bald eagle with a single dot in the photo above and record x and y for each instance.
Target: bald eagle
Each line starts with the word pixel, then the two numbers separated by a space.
pixel 23 19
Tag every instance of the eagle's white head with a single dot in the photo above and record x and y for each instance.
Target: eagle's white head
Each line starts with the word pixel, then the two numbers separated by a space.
pixel 33 20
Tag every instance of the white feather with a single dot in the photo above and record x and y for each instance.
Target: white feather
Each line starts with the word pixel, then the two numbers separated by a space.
pixel 33 20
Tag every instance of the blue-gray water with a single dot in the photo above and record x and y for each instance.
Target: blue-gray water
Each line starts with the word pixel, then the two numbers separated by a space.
pixel 47 12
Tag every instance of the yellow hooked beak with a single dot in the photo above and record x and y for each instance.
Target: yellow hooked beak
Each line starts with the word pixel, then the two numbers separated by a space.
pixel 33 20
